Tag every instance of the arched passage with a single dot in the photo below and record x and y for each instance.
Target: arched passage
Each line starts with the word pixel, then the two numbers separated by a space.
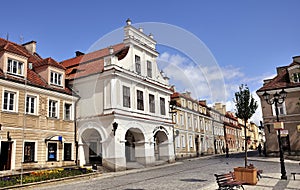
pixel 161 146
pixel 92 146
pixel 134 145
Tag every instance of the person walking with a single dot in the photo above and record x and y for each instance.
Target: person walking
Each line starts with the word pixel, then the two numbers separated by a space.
pixel 259 149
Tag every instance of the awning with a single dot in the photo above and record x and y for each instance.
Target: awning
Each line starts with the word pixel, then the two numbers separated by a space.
pixel 55 138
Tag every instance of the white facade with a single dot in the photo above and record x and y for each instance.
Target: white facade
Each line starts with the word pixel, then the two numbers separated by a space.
pixel 132 95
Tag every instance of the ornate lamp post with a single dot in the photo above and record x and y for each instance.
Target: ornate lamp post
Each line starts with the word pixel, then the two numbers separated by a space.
pixel 278 99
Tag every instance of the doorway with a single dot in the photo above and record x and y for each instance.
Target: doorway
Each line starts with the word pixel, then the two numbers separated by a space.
pixel 5 155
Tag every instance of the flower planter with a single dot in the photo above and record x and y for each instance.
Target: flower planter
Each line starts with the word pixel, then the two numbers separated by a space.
pixel 247 175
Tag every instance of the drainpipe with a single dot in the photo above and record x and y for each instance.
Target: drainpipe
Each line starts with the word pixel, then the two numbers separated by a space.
pixel 75 131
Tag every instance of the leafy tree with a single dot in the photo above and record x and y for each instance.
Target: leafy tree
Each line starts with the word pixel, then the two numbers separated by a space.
pixel 245 107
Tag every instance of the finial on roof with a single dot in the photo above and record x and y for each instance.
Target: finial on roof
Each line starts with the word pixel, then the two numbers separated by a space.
pixel 128 21
pixel 151 35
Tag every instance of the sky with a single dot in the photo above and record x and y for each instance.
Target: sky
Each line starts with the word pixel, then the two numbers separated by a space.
pixel 247 39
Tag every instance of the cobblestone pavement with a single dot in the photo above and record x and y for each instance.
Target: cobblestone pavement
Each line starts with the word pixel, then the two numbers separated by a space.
pixel 186 174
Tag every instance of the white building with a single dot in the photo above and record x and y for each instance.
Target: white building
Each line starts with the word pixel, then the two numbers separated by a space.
pixel 123 113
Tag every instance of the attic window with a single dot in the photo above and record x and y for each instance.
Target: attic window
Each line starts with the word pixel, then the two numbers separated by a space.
pixel 56 78
pixel 15 67
pixel 296 77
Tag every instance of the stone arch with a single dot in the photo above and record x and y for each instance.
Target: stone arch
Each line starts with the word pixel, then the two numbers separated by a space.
pixel 161 144
pixel 91 137
pixel 134 145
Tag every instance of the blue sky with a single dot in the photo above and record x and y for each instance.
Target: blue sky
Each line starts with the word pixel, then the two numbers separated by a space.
pixel 248 39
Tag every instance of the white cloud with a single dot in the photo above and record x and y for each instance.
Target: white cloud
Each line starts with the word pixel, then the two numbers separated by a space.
pixel 188 76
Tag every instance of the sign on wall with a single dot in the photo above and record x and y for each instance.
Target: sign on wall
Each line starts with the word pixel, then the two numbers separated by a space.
pixel 278 125
pixel 298 128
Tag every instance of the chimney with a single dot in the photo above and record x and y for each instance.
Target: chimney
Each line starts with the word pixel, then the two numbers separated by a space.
pixel 296 59
pixel 30 46
pixel 78 53
pixel 111 50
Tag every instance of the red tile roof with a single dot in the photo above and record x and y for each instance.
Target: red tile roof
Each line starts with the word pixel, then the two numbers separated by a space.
pixel 281 80
pixel 91 63
pixel 33 78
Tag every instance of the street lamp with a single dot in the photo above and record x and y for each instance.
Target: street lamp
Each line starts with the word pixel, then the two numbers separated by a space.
pixel 278 99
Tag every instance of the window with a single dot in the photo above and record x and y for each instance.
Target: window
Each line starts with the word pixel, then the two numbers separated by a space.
pixel 177 142
pixel 52 151
pixel 56 78
pixel 138 64
pixel 162 106
pixel 189 121
pixel 151 103
pixel 140 100
pixel 67 151
pixel 29 151
pixel 181 119
pixel 281 109
pixel 191 141
pixel 15 67
pixel 31 104
pixel 9 101
pixel 126 96
pixel 53 106
pixel 183 141
pixel 296 77
pixel 195 123
pixel 149 69
pixel 68 111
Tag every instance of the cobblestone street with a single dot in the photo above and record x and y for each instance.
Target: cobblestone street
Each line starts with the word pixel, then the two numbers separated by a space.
pixel 187 174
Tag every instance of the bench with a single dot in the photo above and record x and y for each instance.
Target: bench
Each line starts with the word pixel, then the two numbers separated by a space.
pixel 294 174
pixel 228 181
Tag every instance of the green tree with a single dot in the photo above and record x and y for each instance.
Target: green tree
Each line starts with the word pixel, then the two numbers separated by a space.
pixel 245 107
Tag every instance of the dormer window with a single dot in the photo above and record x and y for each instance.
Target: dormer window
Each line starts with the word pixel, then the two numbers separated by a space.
pixel 15 67
pixel 296 77
pixel 56 78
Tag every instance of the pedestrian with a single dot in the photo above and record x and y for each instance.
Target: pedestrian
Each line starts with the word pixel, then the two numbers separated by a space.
pixel 223 149
pixel 259 149
pixel 227 151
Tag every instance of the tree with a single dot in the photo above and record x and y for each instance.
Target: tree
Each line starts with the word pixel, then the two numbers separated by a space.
pixel 245 107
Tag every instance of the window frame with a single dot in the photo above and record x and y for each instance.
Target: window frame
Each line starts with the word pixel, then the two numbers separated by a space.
pixel 149 69
pixel 137 61
pixel 56 79
pixel 162 103
pixel 281 108
pixel 56 108
pixel 140 100
pixel 10 67
pixel 55 158
pixel 67 156
pixel 126 96
pixel 35 106
pixel 71 111
pixel 151 103
pixel 8 103
pixel 33 153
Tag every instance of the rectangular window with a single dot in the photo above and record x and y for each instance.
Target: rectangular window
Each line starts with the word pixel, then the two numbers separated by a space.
pixel 29 151
pixel 56 78
pixel 195 123
pixel 183 141
pixel 181 119
pixel 67 151
pixel 140 100
pixel 126 96
pixel 9 101
pixel 68 111
pixel 191 141
pixel 296 77
pixel 162 106
pixel 149 69
pixel 31 104
pixel 52 151
pixel 189 122
pixel 53 106
pixel 178 142
pixel 151 103
pixel 281 109
pixel 138 64
pixel 15 67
